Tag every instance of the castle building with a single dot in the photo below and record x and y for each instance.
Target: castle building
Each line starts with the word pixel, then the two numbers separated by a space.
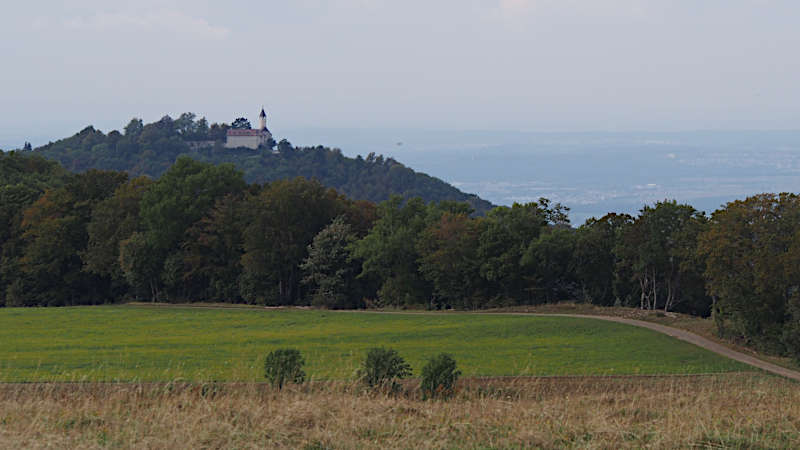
pixel 249 138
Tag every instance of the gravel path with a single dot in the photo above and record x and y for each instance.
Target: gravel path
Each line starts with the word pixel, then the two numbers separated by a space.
pixel 696 340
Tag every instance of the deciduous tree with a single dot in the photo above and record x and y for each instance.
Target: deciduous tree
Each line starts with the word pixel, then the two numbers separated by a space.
pixel 329 269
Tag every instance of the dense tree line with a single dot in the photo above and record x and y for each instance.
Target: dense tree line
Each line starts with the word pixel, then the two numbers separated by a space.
pixel 200 232
pixel 150 149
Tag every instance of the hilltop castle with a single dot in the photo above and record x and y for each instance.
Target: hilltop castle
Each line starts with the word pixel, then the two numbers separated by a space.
pixel 249 138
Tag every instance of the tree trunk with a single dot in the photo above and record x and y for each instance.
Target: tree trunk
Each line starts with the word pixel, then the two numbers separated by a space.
pixel 654 299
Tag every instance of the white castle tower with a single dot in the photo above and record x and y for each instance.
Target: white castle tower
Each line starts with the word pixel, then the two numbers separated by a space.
pixel 262 120
pixel 249 138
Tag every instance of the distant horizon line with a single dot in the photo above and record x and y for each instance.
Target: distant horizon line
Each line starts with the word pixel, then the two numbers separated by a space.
pixel 39 140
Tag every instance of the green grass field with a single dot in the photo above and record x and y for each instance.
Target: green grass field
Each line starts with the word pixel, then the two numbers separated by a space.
pixel 139 343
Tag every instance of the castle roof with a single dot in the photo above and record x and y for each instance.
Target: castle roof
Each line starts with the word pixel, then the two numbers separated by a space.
pixel 239 132
pixel 263 114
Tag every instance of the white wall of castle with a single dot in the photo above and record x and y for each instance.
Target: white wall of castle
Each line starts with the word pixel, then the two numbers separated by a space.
pixel 252 142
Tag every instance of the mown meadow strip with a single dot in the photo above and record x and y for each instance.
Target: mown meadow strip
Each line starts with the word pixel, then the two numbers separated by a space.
pixel 139 343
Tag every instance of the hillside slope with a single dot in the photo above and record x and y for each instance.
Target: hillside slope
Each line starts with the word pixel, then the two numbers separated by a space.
pixel 152 148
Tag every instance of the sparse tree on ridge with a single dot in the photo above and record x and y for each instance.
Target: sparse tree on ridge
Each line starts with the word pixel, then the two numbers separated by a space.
pixel 241 124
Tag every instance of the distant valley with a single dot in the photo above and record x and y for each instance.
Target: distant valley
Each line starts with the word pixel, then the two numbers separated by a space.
pixel 592 173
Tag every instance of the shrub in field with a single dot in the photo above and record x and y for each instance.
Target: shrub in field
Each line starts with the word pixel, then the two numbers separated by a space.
pixel 284 365
pixel 383 366
pixel 439 376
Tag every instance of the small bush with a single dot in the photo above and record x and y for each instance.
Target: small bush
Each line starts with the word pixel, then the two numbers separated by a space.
pixel 284 365
pixel 383 366
pixel 439 376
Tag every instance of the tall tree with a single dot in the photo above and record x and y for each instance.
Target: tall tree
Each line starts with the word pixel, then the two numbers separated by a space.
pixel 448 251
pixel 284 218
pixel 25 178
pixel 181 197
pixel 654 249
pixel 549 265
pixel 329 270
pixel 751 250
pixel 505 238
pixel 141 264
pixel 389 252
pixel 596 263
pixel 54 233
pixel 114 220
pixel 212 252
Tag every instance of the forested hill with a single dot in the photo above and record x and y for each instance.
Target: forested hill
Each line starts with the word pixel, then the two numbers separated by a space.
pixel 150 149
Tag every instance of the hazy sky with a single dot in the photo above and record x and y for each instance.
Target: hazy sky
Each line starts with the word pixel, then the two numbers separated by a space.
pixel 537 65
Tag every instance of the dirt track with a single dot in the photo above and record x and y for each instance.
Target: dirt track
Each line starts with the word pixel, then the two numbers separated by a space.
pixel 696 340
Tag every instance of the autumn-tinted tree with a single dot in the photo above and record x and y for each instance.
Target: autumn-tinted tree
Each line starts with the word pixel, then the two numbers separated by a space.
pixel 212 252
pixel 24 178
pixel 54 234
pixel 448 251
pixel 282 221
pixel 752 251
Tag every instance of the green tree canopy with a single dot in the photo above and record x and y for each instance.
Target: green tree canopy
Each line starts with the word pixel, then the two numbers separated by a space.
pixel 752 254
pixel 448 250
pixel 654 250
pixel 278 234
pixel 241 124
pixel 597 268
pixel 329 269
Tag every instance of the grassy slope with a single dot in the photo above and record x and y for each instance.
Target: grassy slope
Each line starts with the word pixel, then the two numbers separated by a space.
pixel 694 324
pixel 142 343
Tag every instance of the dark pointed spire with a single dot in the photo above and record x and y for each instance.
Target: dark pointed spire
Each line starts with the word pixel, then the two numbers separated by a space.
pixel 263 114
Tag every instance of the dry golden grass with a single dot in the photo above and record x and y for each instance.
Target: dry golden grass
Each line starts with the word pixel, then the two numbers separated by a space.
pixel 739 411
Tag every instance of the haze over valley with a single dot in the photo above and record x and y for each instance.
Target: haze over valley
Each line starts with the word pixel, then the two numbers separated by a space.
pixel 592 173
